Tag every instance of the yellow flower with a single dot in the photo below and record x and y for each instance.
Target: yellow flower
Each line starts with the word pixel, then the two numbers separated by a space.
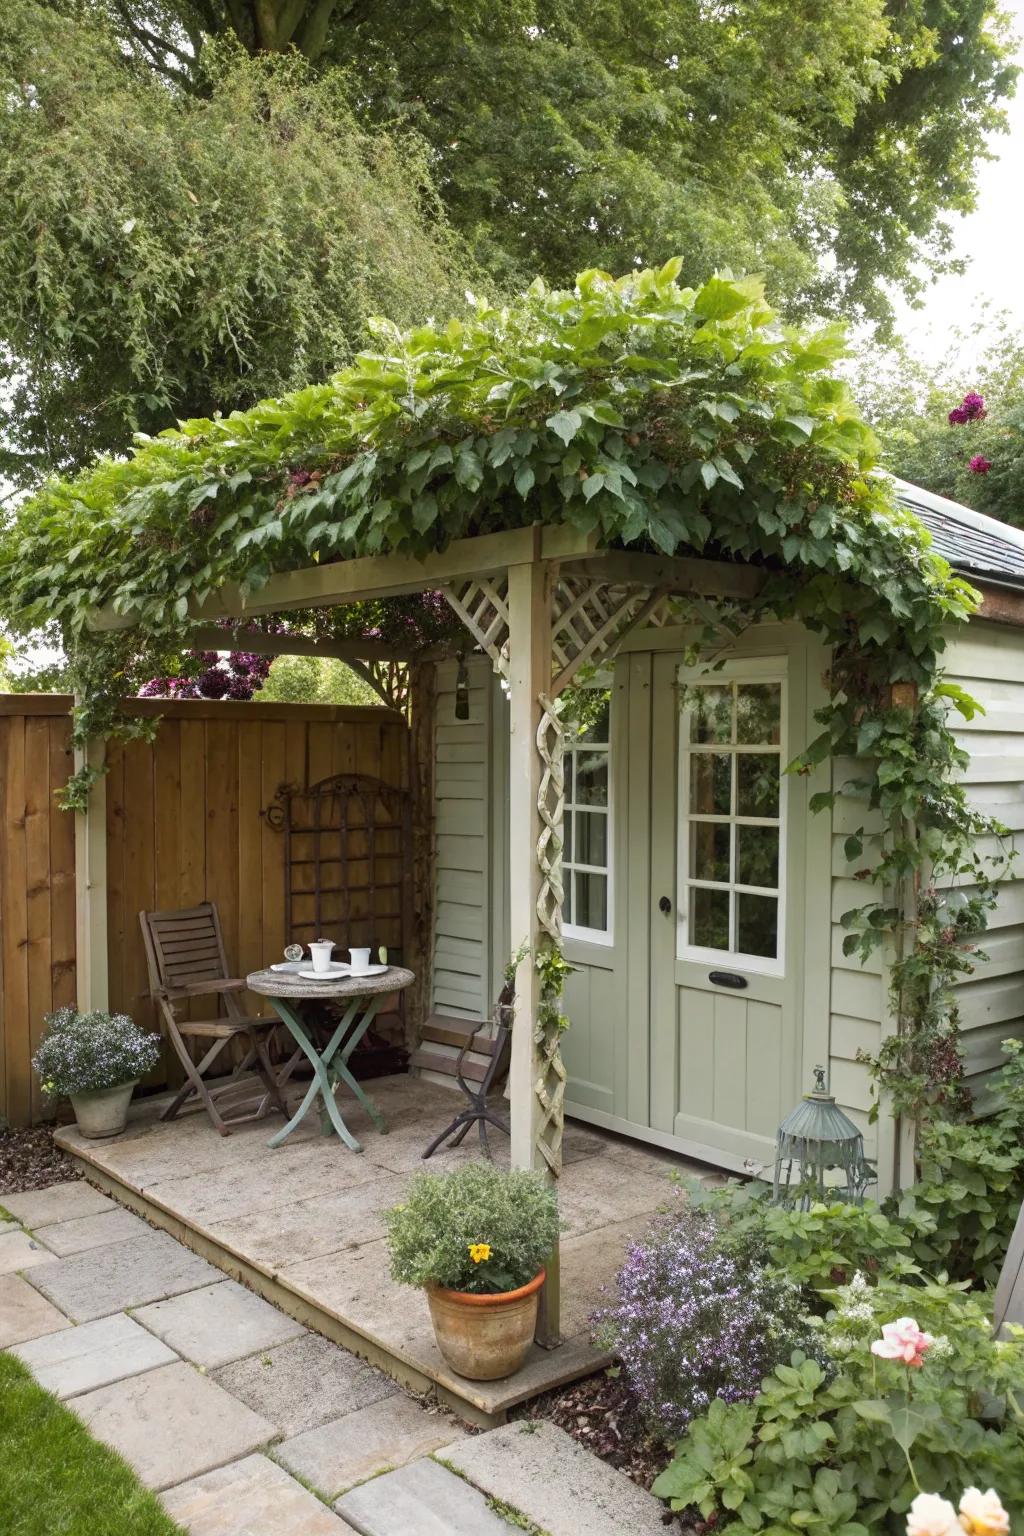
pixel 982 1514
pixel 478 1252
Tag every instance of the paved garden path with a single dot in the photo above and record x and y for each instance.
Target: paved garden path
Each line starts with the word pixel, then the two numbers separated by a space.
pixel 247 1423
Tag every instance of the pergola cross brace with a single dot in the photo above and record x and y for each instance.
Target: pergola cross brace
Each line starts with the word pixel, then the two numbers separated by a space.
pixel 590 618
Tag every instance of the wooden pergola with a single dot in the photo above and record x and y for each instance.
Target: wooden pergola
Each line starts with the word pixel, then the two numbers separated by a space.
pixel 542 602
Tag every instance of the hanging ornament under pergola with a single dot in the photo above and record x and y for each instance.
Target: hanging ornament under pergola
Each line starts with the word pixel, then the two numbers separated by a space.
pixel 817 1142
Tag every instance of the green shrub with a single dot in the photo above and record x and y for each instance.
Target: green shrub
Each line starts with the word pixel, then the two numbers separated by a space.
pixel 844 1455
pixel 962 1210
pixel 475 1229
pixel 84 1052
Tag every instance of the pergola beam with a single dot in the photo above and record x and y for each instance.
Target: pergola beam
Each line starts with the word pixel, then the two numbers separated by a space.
pixel 215 637
pixel 673 574
pixel 335 583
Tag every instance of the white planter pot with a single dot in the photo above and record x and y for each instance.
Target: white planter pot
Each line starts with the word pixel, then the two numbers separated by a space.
pixel 105 1112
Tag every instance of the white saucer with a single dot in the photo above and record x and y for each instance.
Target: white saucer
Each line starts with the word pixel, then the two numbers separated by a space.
pixel 288 965
pixel 338 971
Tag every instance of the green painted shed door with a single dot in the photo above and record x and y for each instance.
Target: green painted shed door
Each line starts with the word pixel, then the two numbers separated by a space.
pixel 727 934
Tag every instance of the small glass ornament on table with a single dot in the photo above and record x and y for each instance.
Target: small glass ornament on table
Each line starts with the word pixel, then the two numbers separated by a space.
pixel 292 959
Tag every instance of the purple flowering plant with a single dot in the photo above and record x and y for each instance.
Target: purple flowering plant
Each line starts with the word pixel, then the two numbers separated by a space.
pixel 698 1317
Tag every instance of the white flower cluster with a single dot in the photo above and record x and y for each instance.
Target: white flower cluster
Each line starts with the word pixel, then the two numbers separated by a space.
pixel 85 1052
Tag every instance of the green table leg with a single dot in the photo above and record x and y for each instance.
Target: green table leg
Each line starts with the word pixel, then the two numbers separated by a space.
pixel 345 1076
pixel 321 1083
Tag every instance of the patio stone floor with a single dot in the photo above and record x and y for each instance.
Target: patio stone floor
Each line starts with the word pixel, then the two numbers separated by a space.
pixel 301 1225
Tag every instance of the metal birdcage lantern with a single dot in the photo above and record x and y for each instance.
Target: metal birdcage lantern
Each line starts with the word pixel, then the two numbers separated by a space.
pixel 817 1140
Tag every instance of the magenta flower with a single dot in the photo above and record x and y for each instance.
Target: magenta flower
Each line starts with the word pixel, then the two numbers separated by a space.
pixel 980 465
pixel 904 1341
pixel 971 408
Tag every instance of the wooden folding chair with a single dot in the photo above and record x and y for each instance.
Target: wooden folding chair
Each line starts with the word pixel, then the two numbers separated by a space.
pixel 185 955
pixel 483 1060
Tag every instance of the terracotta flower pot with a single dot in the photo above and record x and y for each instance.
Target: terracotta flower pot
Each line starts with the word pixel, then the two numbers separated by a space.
pixel 103 1112
pixel 485 1337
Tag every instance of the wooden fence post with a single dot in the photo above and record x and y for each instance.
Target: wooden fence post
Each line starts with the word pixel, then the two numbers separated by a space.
pixel 91 885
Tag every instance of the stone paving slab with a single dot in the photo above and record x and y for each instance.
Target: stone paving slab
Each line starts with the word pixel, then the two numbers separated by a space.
pixel 19 1250
pixel 601 1190
pixel 423 1499
pixel 84 1232
pixel 127 1274
pixel 93 1355
pixel 172 1424
pixel 304 1383
pixel 286 1234
pixel 251 1497
pixel 218 1323
pixel 61 1202
pixel 24 1314
pixel 265 1180
pixel 374 1439
pixel 543 1472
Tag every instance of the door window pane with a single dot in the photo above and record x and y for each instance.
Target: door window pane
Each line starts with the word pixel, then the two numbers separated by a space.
pixel 758 714
pixel 712 713
pixel 591 841
pixel 710 925
pixel 591 778
pixel 590 908
pixel 757 856
pixel 709 850
pixel 757 924
pixel 711 783
pixel 757 787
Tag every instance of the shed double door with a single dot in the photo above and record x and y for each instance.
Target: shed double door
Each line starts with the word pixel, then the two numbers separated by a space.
pixel 697 1015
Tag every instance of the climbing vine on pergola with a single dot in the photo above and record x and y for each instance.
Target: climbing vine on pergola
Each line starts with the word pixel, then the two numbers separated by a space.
pixel 650 415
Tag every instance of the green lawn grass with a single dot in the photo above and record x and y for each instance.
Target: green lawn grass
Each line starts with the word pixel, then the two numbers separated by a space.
pixel 55 1479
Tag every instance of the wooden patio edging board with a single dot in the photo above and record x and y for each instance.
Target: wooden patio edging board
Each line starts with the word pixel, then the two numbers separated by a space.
pixel 484 1403
pixel 183 825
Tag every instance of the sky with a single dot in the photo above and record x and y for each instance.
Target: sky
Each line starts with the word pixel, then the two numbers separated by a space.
pixel 991 238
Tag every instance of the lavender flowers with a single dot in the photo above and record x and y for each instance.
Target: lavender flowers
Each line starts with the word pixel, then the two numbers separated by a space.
pixel 696 1320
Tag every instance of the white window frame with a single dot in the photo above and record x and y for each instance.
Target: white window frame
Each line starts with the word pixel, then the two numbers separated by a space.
pixel 755 669
pixel 570 867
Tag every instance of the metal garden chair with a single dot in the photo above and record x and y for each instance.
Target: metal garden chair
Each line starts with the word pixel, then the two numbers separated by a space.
pixel 490 1045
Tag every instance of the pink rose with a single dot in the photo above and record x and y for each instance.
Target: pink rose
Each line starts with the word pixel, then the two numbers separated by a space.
pixel 903 1340
pixel 930 1515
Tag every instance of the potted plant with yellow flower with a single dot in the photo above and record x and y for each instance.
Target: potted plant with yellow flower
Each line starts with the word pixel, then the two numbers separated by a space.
pixel 476 1240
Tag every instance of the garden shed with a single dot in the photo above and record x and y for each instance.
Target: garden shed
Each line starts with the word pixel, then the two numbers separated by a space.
pixel 679 670
pixel 696 1025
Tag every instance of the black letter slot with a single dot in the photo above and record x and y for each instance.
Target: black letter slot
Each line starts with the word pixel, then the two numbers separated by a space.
pixel 727 979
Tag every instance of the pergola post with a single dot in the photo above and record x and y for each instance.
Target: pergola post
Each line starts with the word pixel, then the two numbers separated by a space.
pixel 92 987
pixel 530 661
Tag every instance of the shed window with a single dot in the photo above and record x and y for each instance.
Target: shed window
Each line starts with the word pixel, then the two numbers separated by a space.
pixel 732 815
pixel 587 846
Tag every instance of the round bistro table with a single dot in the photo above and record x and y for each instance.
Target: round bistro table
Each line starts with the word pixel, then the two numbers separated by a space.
pixel 288 991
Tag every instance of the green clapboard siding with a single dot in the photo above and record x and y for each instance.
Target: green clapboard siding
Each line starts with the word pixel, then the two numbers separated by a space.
pixel 988 660
pixel 462 863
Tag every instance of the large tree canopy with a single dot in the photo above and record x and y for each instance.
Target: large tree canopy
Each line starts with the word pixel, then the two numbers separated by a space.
pixel 822 141
pixel 205 199
pixel 165 253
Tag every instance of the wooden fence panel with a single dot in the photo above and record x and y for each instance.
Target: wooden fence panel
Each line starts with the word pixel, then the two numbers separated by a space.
pixel 184 824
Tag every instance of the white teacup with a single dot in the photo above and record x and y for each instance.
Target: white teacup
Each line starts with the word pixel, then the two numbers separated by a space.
pixel 320 951
pixel 360 961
